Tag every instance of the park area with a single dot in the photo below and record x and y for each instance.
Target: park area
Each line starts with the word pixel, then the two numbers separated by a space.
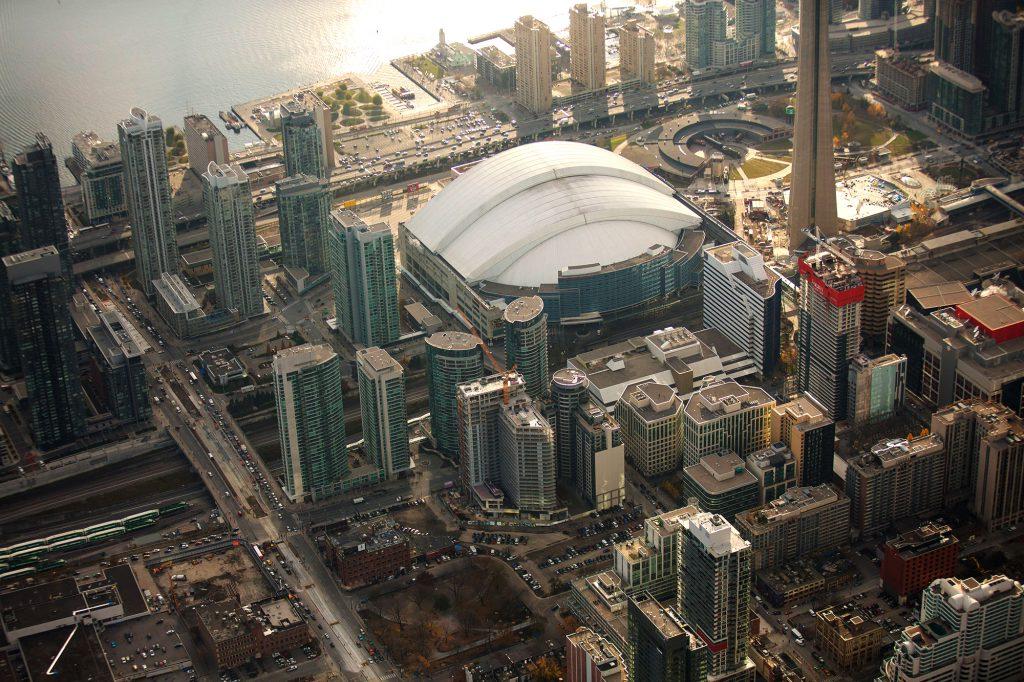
pixel 471 606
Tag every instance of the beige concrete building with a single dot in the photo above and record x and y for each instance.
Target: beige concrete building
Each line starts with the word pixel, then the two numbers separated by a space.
pixel 205 143
pixel 901 79
pixel 999 483
pixel 812 199
pixel 533 65
pixel 650 415
pixel 849 637
pixel 586 47
pixel 884 277
pixel 810 434
pixel 649 563
pixel 726 415
pixel 637 53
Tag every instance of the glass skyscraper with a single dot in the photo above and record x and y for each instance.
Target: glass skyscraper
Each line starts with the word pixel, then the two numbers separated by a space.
pixel 384 415
pixel 229 215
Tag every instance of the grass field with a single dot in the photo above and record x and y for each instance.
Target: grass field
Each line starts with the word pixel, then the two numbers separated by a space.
pixel 758 167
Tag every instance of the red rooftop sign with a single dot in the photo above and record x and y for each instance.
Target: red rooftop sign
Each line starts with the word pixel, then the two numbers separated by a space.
pixel 834 296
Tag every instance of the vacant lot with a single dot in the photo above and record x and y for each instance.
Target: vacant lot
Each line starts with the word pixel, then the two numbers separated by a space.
pixel 215 576
pixel 422 518
pixel 437 615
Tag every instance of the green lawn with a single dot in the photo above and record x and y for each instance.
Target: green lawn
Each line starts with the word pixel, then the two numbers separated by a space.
pixel 616 141
pixel 782 144
pixel 757 168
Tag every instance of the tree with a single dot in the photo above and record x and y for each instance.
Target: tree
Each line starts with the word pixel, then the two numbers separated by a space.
pixel 348 109
pixel 545 669
pixel 377 99
pixel 876 110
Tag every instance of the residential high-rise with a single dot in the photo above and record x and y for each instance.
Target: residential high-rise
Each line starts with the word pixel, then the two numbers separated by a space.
pixel 304 217
pixel 452 358
pixel 384 415
pixel 586 47
pixel 227 198
pixel 527 456
pixel 600 457
pixel 649 563
pixel 478 407
pixel 650 414
pixel 726 415
pixel 756 19
pixel 365 280
pixel 998 499
pixel 829 334
pixel 311 420
pixel 775 469
pixel 10 355
pixel 957 426
pixel 589 657
pixel 897 479
pixel 803 521
pixel 955 26
pixel 912 560
pixel 875 9
pixel 835 11
pixel 705 24
pixel 876 387
pixel 966 630
pixel 569 390
pixel 812 197
pixel 810 434
pixel 154 239
pixel 39 289
pixel 306 134
pixel 714 593
pixel 884 277
pixel 40 204
pixel 205 143
pixel 743 300
pixel 1006 61
pixel 120 348
pixel 101 175
pixel 526 342
pixel 662 647
pixel 533 65
pixel 637 53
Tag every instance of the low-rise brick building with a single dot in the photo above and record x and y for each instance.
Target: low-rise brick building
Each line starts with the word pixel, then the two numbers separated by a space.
pixel 849 637
pixel 234 634
pixel 366 558
pixel 911 561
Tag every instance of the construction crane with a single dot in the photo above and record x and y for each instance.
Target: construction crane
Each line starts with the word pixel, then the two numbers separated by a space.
pixel 499 367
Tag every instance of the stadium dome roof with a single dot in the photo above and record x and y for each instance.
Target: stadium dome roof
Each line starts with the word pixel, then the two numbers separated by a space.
pixel 520 217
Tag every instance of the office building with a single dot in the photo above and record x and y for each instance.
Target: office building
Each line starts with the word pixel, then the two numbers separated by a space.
pixel 120 348
pixel 810 434
pixel 586 47
pixel 311 421
pixel 382 405
pixel 568 393
pixel 743 300
pixel 901 78
pixel 651 415
pixel 234 635
pixel 365 282
pixel 829 329
pixel 227 198
pixel 912 560
pixel 38 287
pixel 101 175
pixel 497 67
pixel 875 9
pixel 775 469
pixel 589 657
pixel 478 407
pixel 957 426
pixel 307 137
pixel 40 203
pixel 720 484
pixel 896 479
pixel 812 199
pixel 884 277
pixel 526 459
pixel 705 25
pixel 956 99
pixel 966 630
pixel 1006 63
pixel 726 415
pixel 304 218
pixel 637 53
pixel 205 143
pixel 802 521
pixel 714 593
pixel 970 350
pixel 154 236
pixel 526 342
pixel 998 499
pixel 662 647
pixel 366 554
pixel 600 457
pixel 876 388
pixel 533 65
pixel 452 358
pixel 650 562
pixel 849 637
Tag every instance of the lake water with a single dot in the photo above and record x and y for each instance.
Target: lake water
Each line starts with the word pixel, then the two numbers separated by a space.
pixel 71 65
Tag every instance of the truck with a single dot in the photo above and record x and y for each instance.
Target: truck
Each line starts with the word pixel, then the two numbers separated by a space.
pixel 358 500
pixel 178 578
pixel 796 634
pixel 192 377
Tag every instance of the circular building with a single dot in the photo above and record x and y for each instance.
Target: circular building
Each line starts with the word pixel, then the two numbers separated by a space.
pixel 452 358
pixel 588 231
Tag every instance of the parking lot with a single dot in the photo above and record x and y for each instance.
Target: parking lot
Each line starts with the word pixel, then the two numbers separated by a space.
pixel 139 647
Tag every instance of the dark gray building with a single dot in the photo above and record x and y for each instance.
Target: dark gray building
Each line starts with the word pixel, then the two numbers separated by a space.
pixel 40 205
